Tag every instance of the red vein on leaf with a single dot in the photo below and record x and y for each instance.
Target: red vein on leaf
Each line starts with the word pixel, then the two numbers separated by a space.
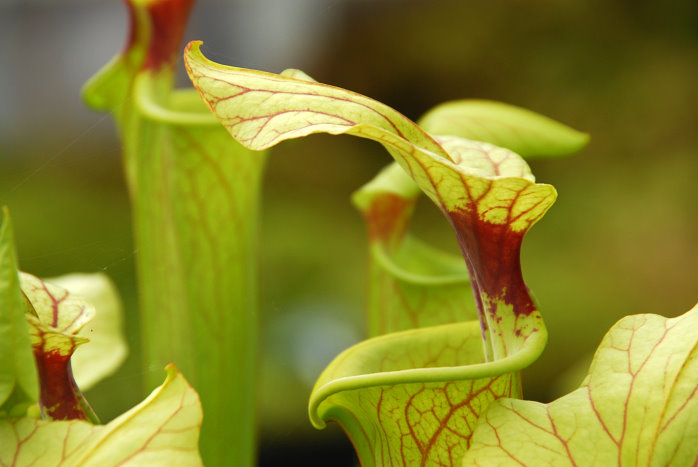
pixel 680 409
pixel 599 418
pixel 501 446
pixel 634 377
pixel 565 443
pixel 453 409
pixel 407 417
pixel 157 431
pixel 216 101
pixel 55 302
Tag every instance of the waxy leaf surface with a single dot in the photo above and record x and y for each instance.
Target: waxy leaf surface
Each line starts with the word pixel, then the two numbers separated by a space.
pixel 417 286
pixel 161 430
pixel 195 208
pixel 522 131
pixel 18 379
pixel 637 406
pixel 486 192
pixel 414 397
pixel 490 197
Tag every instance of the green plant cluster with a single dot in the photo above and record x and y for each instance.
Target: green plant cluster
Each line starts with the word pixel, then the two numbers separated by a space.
pixel 438 380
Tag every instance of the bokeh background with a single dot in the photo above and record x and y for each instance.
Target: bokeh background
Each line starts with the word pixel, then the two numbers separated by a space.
pixel 621 239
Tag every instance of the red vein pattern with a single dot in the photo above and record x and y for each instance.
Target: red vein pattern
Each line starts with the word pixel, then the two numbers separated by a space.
pixel 196 226
pixel 195 194
pixel 637 406
pixel 476 184
pixel 53 336
pixel 162 430
pixel 260 113
pixel 407 423
pixel 491 200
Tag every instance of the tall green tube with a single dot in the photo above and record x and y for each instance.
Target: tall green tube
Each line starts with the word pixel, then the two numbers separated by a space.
pixel 195 196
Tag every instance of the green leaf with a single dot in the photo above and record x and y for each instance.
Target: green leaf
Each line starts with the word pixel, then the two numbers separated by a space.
pixel 413 397
pixel 53 333
pixel 161 430
pixel 637 406
pixel 417 286
pixel 107 348
pixel 19 385
pixel 411 284
pixel 522 131
pixel 262 109
pixel 195 195
pixel 488 193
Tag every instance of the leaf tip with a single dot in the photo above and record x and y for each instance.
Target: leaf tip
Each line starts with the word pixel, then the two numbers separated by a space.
pixel 172 373
pixel 391 180
pixel 193 57
pixel 193 46
pixel 171 370
pixel 5 219
pixel 583 140
pixel 192 51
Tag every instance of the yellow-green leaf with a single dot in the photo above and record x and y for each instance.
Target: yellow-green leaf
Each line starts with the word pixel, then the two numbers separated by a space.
pixel 416 286
pixel 487 192
pixel 195 196
pixel 55 306
pixel 524 132
pixel 107 348
pixel 262 109
pixel 637 406
pixel 162 430
pixel 413 397
pixel 60 315
pixel 411 284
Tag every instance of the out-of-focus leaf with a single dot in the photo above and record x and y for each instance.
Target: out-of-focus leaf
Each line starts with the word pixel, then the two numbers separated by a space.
pixel 417 286
pixel 520 130
pixel 107 348
pixel 195 196
pixel 637 406
pixel 19 385
pixel 163 430
pixel 411 284
pixel 53 333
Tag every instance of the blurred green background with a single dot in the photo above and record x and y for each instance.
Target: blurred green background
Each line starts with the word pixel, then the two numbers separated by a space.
pixel 621 239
